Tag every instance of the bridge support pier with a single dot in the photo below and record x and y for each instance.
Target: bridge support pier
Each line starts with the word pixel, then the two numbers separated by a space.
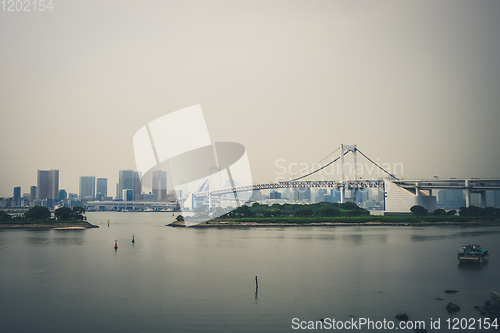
pixel 483 199
pixel 467 192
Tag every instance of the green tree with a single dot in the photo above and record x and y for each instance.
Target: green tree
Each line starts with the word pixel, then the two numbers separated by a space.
pixel 179 218
pixel 451 212
pixel 63 214
pixel 79 210
pixel 471 211
pixel 439 212
pixel 304 212
pixel 418 210
pixel 4 216
pixel 329 212
pixel 349 206
pixel 357 212
pixel 38 213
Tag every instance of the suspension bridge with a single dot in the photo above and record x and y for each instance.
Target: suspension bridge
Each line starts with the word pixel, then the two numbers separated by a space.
pixel 400 194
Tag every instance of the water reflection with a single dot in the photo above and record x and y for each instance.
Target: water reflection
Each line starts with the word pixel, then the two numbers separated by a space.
pixel 358 239
pixel 354 239
pixel 37 241
pixel 423 238
pixel 463 234
pixel 75 240
pixel 472 266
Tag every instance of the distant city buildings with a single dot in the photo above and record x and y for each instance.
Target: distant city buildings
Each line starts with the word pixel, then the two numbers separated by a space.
pixel 137 187
pixel 160 185
pixel 87 187
pixel 33 193
pixel 63 195
pixel 17 195
pixel 102 189
pixel 126 181
pixel 47 184
pixel 451 199
pixel 128 195
pixel 322 194
pixel 274 195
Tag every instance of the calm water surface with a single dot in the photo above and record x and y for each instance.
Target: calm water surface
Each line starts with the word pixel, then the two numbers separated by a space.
pixel 192 280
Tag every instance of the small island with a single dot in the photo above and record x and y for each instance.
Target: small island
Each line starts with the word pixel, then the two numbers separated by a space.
pixel 41 218
pixel 334 214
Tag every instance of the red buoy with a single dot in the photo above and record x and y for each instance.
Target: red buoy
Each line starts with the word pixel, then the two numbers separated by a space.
pixel 116 245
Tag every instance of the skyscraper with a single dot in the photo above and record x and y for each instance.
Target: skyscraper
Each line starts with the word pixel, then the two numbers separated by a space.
pixel 160 185
pixel 17 195
pixel 102 187
pixel 137 186
pixel 87 187
pixel 48 184
pixel 125 181
pixel 32 193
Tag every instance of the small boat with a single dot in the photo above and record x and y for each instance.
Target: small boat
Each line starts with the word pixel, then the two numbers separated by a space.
pixel 473 253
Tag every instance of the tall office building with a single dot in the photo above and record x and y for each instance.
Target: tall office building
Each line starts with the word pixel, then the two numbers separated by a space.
pixel 87 187
pixel 17 193
pixel 32 193
pixel 305 194
pixel 335 195
pixel 48 184
pixel 128 195
pixel 322 193
pixel 126 181
pixel 274 195
pixel 137 186
pixel 160 185
pixel 102 187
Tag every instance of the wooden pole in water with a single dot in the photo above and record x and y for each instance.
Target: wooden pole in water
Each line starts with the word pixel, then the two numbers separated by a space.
pixel 256 284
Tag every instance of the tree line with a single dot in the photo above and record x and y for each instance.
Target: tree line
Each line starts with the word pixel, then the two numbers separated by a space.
pixel 40 213
pixel 462 211
pixel 321 209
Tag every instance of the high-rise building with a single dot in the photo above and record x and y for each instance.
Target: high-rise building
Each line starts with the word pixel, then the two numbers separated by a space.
pixel 87 187
pixel 128 195
pixel 274 195
pixel 322 193
pixel 126 181
pixel 160 185
pixel 335 195
pixel 62 194
pixel 33 193
pixel 48 184
pixel 137 186
pixel 305 193
pixel 17 194
pixel 102 187
pixel 451 199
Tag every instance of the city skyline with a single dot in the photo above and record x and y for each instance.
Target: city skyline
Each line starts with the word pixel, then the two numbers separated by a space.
pixel 408 82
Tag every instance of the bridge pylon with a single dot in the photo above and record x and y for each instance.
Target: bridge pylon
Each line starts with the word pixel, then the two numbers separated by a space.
pixel 344 149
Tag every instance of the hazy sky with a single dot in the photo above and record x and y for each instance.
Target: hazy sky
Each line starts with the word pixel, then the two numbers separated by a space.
pixel 411 82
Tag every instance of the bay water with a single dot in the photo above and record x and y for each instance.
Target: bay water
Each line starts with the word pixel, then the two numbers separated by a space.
pixel 203 280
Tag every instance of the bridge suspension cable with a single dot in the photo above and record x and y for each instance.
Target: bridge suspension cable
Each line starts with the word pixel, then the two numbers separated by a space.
pixel 324 158
pixel 324 166
pixel 390 174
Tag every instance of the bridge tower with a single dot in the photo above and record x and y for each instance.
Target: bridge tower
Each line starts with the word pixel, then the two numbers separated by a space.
pixel 344 149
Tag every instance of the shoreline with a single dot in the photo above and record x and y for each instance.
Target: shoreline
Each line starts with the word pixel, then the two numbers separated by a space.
pixel 233 224
pixel 47 225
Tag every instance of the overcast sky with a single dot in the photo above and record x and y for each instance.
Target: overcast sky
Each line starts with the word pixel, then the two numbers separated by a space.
pixel 411 82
